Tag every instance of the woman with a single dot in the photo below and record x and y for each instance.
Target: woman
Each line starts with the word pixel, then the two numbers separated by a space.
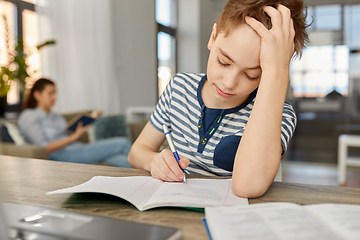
pixel 40 126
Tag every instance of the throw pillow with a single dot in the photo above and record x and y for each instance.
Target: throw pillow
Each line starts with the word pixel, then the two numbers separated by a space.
pixel 15 134
pixel 5 136
pixel 111 126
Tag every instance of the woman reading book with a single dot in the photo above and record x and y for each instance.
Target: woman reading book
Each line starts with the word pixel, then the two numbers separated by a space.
pixel 40 126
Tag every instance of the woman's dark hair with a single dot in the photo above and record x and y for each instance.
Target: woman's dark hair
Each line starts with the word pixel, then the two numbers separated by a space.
pixel 39 85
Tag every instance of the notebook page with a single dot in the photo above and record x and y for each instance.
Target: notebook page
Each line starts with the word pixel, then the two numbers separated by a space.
pixel 343 218
pixel 133 189
pixel 196 193
pixel 266 221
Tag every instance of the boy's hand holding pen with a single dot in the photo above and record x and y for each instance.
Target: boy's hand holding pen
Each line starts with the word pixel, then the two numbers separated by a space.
pixel 172 148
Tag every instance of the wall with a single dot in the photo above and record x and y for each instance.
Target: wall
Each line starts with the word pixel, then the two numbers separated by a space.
pixel 188 35
pixel 209 14
pixel 195 22
pixel 134 30
pixel 135 45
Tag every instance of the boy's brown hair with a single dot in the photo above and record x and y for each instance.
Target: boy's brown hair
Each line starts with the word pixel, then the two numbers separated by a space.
pixel 234 13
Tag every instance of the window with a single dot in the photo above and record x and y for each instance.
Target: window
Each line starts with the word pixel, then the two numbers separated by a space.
pixel 31 40
pixel 352 26
pixel 324 66
pixel 22 25
pixel 327 17
pixel 321 70
pixel 7 33
pixel 166 15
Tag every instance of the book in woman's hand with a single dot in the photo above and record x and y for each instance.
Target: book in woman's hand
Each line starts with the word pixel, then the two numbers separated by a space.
pixel 85 118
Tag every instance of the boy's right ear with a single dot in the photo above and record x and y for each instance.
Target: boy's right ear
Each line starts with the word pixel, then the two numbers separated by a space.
pixel 212 37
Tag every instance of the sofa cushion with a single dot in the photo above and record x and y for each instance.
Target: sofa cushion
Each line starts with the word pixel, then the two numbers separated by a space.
pixel 15 134
pixel 111 126
pixel 5 136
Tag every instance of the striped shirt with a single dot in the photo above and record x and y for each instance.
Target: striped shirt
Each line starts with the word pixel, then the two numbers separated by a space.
pixel 181 108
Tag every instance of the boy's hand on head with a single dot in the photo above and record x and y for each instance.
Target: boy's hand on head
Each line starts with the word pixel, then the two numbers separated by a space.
pixel 277 44
pixel 165 167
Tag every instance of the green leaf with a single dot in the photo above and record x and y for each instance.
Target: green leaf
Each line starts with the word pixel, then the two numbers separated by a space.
pixel 4 89
pixel 50 42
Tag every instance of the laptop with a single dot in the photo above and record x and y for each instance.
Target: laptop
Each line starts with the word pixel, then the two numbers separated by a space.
pixel 25 222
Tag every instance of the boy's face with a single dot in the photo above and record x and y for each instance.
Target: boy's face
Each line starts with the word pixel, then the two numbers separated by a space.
pixel 233 70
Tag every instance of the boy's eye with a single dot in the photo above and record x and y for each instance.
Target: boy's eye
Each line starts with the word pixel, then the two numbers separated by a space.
pixel 252 78
pixel 222 64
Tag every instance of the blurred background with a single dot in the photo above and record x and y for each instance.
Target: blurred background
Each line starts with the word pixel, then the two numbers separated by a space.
pixel 118 55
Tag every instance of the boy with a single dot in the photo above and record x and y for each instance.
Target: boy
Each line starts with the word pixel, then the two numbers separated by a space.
pixel 232 121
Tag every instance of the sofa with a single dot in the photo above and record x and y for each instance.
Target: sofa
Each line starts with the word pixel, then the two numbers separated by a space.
pixel 103 127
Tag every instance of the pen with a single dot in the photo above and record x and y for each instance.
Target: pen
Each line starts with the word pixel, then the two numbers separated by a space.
pixel 172 147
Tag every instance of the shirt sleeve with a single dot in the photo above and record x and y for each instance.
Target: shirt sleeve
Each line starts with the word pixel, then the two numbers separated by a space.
pixel 288 125
pixel 161 114
pixel 30 127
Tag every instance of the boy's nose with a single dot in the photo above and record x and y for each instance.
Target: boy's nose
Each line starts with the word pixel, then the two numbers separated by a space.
pixel 229 81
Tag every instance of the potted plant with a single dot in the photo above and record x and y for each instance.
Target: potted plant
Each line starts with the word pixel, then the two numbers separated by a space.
pixel 16 68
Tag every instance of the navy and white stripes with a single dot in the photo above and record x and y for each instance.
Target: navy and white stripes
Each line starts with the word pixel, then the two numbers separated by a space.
pixel 179 108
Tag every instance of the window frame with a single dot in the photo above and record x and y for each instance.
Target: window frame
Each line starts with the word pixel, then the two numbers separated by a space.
pixel 20 6
pixel 315 28
pixel 172 31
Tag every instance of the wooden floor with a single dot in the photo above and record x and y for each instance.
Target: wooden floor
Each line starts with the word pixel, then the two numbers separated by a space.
pixel 317 173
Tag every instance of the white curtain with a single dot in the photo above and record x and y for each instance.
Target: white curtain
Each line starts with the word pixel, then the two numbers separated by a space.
pixel 81 63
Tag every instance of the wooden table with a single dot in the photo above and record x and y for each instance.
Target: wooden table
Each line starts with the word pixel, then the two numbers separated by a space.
pixel 26 181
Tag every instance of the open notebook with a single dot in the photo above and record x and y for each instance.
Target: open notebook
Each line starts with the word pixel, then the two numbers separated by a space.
pixel 147 192
pixel 288 221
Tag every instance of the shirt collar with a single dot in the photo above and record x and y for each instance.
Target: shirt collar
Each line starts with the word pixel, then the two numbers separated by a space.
pixel 43 113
